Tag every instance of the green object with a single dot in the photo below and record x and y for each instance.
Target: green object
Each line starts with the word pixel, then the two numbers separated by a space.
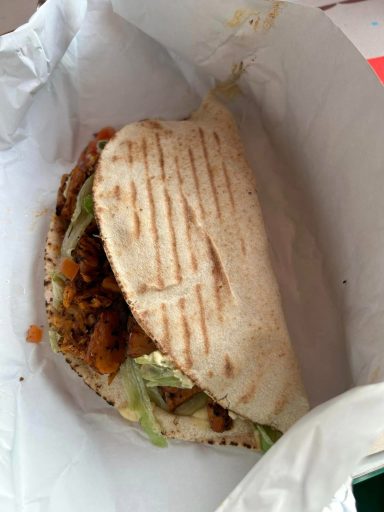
pixel 57 290
pixel 88 204
pixel 139 402
pixel 156 398
pixel 81 218
pixel 368 490
pixel 54 340
pixel 158 370
pixel 101 145
pixel 268 436
pixel 195 403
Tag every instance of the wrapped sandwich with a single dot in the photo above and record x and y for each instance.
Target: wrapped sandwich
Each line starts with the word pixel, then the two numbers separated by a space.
pixel 159 288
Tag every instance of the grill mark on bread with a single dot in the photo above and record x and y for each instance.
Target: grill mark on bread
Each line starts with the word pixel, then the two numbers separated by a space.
pixel 186 216
pixel 203 321
pixel 242 244
pixel 228 367
pixel 136 218
pixel 210 172
pixel 142 288
pixel 133 194
pixel 196 181
pixel 228 185
pixel 152 123
pixel 169 208
pixel 169 212
pixel 129 145
pixel 154 230
pixel 280 404
pixel 117 192
pixel 244 399
pixel 225 171
pixel 186 333
pixel 218 274
pixel 161 156
pixel 165 322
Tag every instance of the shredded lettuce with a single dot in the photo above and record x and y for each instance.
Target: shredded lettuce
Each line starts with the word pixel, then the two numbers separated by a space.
pixel 128 413
pixel 138 401
pixel 81 218
pixel 268 436
pixel 88 204
pixel 85 191
pixel 195 403
pixel 54 340
pixel 57 290
pixel 101 145
pixel 158 370
pixel 156 398
pixel 158 376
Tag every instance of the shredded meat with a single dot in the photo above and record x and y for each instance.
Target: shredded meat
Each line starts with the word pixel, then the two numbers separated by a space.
pixel 60 194
pixel 76 181
pixel 91 299
pixel 174 397
pixel 109 283
pixel 139 343
pixel 75 345
pixel 93 319
pixel 88 253
pixel 69 294
pixel 92 322
pixel 107 348
pixel 219 418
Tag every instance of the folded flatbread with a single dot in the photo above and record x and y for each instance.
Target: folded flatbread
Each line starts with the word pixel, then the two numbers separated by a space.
pixel 178 218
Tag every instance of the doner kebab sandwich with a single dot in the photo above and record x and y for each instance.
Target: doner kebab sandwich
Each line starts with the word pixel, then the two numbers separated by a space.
pixel 159 287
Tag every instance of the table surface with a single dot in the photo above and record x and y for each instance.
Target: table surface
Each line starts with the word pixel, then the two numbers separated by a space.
pixel 14 13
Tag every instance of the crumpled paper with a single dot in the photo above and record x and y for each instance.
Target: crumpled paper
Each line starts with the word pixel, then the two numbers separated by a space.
pixel 311 116
pixel 344 500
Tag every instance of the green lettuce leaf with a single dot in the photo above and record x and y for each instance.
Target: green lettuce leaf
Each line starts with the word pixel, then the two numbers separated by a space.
pixel 81 218
pixel 156 398
pixel 158 370
pixel 54 340
pixel 268 436
pixel 101 145
pixel 195 403
pixel 139 402
pixel 88 204
pixel 57 290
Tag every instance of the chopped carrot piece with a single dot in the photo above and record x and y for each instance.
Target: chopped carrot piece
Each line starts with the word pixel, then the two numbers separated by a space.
pixel 34 334
pixel 105 133
pixel 69 268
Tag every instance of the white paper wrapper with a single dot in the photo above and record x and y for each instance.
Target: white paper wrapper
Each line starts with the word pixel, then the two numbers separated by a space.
pixel 344 500
pixel 311 115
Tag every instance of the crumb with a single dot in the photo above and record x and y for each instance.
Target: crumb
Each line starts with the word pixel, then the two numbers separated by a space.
pixel 40 213
pixel 21 379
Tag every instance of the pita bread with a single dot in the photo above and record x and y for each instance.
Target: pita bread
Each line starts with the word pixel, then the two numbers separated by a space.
pixel 178 212
pixel 172 426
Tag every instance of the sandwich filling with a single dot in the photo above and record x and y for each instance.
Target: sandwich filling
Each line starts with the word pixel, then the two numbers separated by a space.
pixel 92 321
